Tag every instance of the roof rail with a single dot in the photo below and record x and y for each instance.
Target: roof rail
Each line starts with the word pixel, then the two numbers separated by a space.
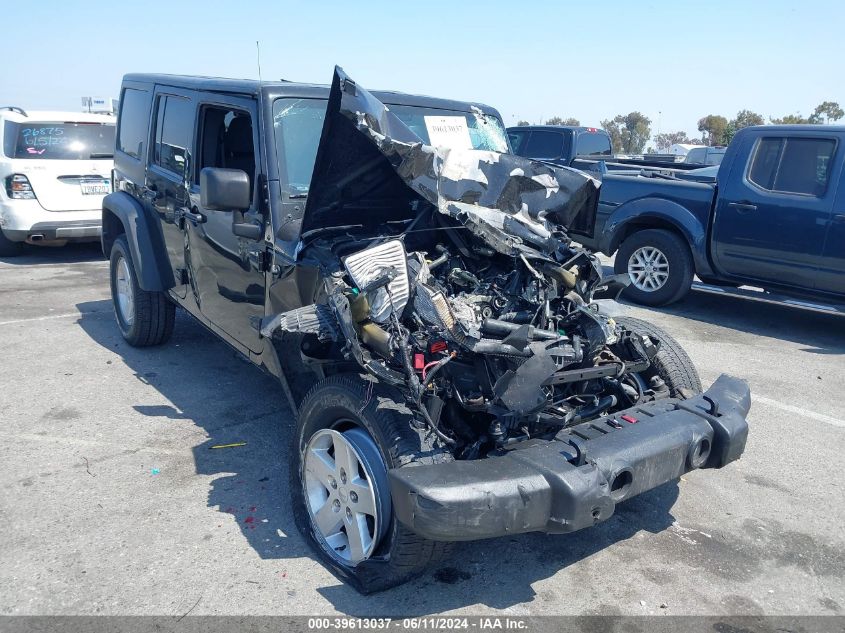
pixel 14 109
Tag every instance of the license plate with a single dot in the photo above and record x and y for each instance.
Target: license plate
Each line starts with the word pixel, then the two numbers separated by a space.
pixel 95 187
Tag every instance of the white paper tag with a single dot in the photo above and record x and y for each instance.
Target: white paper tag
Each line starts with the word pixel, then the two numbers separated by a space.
pixel 448 131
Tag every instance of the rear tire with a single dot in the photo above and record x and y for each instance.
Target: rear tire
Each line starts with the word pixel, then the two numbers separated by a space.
pixel 8 248
pixel 671 363
pixel 144 318
pixel 659 265
pixel 337 403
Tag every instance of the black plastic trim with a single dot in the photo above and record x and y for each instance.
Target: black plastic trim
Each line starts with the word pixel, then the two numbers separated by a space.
pixel 540 486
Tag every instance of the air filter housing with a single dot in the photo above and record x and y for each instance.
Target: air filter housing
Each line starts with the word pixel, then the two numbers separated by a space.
pixel 365 266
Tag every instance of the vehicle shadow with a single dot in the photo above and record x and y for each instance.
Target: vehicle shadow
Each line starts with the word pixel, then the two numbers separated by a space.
pixel 71 253
pixel 819 333
pixel 206 382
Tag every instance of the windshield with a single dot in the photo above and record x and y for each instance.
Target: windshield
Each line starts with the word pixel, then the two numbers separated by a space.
pixel 298 123
pixel 453 128
pixel 59 141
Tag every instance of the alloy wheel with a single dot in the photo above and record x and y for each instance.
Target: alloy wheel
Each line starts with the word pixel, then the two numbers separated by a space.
pixel 344 482
pixel 648 269
pixel 124 291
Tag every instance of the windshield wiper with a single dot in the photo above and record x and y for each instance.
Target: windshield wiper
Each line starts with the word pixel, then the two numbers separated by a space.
pixel 101 155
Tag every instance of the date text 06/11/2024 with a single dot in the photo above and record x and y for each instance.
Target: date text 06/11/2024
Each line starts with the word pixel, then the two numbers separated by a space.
pixel 421 623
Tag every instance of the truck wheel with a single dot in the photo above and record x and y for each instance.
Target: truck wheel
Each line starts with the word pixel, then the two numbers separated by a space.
pixel 671 363
pixel 8 248
pixel 659 264
pixel 145 318
pixel 349 433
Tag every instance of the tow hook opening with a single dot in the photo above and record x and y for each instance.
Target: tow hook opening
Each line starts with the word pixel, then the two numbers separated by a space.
pixel 620 485
pixel 699 452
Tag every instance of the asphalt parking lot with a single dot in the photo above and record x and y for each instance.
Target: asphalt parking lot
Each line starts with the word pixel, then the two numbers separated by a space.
pixel 113 502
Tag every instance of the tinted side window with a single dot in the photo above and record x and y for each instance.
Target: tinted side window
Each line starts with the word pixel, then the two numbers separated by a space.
pixel 792 165
pixel 764 163
pixel 593 144
pixel 174 127
pixel 544 145
pixel 132 122
pixel 517 139
pixel 225 141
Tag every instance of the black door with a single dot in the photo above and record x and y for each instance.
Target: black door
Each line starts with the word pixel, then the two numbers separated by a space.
pixel 166 188
pixel 773 212
pixel 225 270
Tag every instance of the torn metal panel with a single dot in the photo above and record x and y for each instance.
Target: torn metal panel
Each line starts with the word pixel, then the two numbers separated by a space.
pixel 313 319
pixel 498 196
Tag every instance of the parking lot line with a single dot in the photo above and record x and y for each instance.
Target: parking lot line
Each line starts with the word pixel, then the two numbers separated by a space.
pixel 50 316
pixel 820 417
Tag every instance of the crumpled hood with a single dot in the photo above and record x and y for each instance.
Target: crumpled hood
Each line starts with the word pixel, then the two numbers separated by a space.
pixel 513 203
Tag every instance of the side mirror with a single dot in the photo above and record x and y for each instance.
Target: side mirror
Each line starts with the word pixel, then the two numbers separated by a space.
pixel 224 189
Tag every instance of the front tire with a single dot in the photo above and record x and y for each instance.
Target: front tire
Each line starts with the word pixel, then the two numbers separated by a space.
pixel 144 318
pixel 659 264
pixel 8 248
pixel 350 432
pixel 671 363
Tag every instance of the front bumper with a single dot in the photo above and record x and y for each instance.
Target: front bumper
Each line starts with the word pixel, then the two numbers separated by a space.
pixel 576 480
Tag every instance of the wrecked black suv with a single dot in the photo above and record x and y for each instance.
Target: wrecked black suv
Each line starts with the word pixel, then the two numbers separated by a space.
pixel 416 290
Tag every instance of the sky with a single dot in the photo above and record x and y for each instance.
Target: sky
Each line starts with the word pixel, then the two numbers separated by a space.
pixel 675 61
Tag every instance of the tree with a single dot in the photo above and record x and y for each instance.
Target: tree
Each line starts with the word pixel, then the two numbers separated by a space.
pixel 713 128
pixel 522 122
pixel 665 140
pixel 556 120
pixel 827 112
pixel 747 118
pixel 791 119
pixel 628 133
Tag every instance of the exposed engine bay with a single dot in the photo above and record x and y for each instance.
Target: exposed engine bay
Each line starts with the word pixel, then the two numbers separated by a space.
pixel 450 274
pixel 487 351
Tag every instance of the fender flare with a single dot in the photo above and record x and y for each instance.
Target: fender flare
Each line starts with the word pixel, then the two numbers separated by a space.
pixel 657 213
pixel 144 236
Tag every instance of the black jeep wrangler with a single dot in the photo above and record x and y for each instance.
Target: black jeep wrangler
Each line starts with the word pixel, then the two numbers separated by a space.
pixel 416 291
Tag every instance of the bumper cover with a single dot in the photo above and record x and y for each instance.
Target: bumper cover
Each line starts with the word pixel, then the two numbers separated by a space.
pixel 71 230
pixel 576 480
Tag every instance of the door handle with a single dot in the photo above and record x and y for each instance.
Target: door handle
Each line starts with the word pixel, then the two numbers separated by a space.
pixel 743 207
pixel 149 194
pixel 839 218
pixel 196 218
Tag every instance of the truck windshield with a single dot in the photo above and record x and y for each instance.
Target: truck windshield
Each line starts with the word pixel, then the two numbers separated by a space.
pixel 59 140
pixel 298 123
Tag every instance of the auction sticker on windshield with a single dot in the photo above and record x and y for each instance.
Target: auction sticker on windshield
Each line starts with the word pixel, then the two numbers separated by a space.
pixel 448 131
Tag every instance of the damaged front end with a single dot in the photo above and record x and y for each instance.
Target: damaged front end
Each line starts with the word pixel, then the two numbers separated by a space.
pixel 449 273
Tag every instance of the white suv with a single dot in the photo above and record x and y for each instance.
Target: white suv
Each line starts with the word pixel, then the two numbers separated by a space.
pixel 55 170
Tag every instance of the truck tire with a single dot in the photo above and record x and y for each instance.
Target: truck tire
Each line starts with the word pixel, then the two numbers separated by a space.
pixel 348 520
pixel 659 264
pixel 144 318
pixel 671 363
pixel 8 248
